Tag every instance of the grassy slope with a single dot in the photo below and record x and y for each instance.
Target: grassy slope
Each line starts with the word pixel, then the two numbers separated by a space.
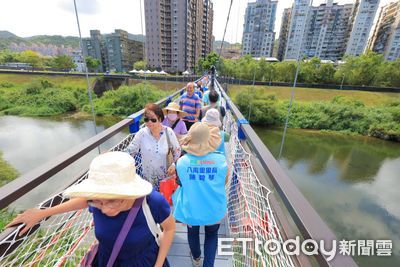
pixel 7 172
pixel 310 95
pixel 19 79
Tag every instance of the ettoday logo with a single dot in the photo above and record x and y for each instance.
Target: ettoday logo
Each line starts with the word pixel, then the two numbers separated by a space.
pixel 307 247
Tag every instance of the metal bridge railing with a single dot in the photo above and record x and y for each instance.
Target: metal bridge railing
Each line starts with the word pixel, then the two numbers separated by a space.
pixel 307 220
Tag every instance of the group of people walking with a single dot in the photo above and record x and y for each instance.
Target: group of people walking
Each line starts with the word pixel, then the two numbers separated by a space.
pixel 182 140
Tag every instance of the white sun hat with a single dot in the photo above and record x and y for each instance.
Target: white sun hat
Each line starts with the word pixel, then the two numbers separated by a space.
pixel 111 175
pixel 212 117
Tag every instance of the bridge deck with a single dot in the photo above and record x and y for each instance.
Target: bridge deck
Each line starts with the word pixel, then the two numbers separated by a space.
pixel 179 254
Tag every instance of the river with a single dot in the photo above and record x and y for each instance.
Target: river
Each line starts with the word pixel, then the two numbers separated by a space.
pixel 352 182
pixel 27 143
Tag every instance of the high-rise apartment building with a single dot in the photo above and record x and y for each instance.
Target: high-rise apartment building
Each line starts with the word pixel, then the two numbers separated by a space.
pixel 386 37
pixel 258 33
pixel 366 10
pixel 116 51
pixel 327 31
pixel 283 34
pixel 178 33
pixel 297 29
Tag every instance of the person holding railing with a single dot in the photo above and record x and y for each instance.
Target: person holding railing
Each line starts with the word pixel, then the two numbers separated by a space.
pixel 125 211
pixel 191 104
pixel 201 198
pixel 154 142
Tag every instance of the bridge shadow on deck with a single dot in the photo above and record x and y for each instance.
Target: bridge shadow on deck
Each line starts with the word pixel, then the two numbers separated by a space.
pixel 179 254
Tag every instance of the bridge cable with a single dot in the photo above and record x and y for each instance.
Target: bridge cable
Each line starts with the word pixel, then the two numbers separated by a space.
pixel 86 73
pixel 252 93
pixel 223 37
pixel 294 82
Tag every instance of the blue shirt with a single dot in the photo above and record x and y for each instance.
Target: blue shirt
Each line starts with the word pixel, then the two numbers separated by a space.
pixel 139 247
pixel 190 106
pixel 201 200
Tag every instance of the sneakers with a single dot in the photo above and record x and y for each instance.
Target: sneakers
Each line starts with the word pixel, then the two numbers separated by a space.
pixel 195 262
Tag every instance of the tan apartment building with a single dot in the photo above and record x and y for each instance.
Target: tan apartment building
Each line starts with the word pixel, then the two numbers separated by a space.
pixel 283 34
pixel 386 37
pixel 178 33
pixel 117 51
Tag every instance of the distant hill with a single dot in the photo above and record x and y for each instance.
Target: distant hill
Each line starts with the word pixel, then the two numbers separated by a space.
pixel 7 34
pixel 217 44
pixel 57 40
pixel 45 44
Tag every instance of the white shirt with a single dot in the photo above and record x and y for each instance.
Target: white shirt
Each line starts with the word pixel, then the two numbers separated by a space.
pixel 154 153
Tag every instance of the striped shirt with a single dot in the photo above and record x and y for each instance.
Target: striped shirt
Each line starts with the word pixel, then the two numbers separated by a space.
pixel 190 106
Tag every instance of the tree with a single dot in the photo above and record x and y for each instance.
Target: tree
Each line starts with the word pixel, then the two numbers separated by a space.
pixel 140 65
pixel 7 56
pixel 361 70
pixel 199 66
pixel 32 58
pixel 389 74
pixel 63 62
pixel 211 59
pixel 285 71
pixel 92 63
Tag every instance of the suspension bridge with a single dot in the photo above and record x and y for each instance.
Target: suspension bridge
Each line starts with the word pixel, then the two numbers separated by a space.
pixel 263 203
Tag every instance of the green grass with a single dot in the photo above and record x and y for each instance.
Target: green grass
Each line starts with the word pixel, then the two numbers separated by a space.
pixel 5 217
pixel 7 172
pixel 20 79
pixel 324 95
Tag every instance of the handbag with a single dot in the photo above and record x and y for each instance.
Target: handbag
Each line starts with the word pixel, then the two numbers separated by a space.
pixel 170 155
pixel 90 256
pixel 168 187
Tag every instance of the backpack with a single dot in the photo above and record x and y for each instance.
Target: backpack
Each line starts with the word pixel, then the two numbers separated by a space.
pixel 154 227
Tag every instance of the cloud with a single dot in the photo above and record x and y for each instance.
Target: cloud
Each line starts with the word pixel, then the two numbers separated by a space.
pixel 87 7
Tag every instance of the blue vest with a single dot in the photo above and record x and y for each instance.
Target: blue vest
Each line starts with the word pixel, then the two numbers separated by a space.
pixel 201 200
pixel 221 147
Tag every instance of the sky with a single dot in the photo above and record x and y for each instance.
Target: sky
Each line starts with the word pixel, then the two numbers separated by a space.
pixel 57 17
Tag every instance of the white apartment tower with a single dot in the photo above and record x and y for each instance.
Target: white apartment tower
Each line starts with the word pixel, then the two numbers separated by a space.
pixel 366 10
pixel 298 25
pixel 258 29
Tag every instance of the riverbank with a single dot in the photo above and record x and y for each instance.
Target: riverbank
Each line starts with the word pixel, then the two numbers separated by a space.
pixel 7 172
pixel 25 95
pixel 364 113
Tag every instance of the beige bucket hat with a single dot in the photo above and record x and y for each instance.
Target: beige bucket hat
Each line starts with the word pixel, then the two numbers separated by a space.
pixel 201 139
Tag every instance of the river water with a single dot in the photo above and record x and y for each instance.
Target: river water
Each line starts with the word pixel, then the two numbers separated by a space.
pixel 352 182
pixel 27 143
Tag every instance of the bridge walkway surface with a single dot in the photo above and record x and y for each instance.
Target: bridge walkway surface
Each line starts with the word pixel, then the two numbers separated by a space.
pixel 179 254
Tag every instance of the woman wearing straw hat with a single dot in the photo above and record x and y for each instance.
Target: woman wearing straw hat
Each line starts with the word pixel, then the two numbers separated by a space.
pixel 201 200
pixel 154 142
pixel 173 118
pixel 114 193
